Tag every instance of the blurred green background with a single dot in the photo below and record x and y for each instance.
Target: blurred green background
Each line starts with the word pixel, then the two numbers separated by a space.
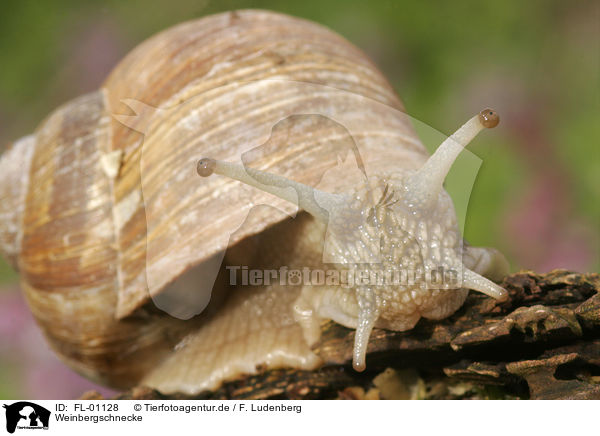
pixel 536 196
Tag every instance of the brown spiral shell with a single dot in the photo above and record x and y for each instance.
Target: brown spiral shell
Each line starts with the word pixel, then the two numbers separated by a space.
pixel 78 194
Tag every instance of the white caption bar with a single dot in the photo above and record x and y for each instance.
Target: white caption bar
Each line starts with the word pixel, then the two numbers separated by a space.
pixel 506 418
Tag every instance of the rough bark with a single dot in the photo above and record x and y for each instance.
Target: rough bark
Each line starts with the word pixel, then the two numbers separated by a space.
pixel 543 343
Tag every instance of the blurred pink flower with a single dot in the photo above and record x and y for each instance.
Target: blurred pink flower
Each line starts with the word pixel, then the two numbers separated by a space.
pixel 548 236
pixel 543 219
pixel 541 230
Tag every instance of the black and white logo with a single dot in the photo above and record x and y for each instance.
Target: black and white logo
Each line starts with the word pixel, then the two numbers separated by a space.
pixel 26 415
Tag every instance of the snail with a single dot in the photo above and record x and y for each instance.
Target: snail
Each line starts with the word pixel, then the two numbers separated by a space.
pixel 128 258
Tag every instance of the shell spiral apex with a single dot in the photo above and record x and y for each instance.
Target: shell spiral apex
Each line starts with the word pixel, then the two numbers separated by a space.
pixel 137 245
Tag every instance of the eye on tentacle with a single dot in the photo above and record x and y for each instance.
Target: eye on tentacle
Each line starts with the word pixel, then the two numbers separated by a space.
pixel 424 186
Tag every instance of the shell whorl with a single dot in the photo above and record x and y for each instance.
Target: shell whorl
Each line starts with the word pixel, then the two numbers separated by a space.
pixel 91 238
pixel 67 253
pixel 14 183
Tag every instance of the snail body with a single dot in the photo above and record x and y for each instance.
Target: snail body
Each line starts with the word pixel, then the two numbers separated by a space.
pixel 122 247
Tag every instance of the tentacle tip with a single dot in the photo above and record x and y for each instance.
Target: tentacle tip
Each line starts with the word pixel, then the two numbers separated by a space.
pixel 489 118
pixel 359 366
pixel 206 166
pixel 502 295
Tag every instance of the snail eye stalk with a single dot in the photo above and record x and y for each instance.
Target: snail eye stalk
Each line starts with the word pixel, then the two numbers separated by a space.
pixel 286 189
pixel 424 186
